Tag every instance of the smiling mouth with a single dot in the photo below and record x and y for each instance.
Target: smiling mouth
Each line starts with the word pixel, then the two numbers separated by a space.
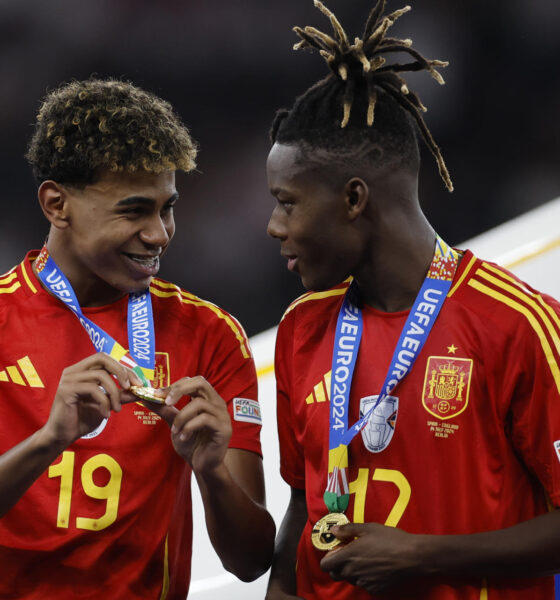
pixel 149 262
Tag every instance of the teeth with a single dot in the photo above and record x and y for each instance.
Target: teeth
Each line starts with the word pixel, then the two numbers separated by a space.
pixel 149 261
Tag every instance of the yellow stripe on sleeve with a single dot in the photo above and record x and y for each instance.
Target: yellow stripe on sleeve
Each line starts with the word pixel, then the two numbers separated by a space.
pixel 8 279
pixel 186 298
pixel 538 297
pixel 526 297
pixel 532 320
pixel 10 289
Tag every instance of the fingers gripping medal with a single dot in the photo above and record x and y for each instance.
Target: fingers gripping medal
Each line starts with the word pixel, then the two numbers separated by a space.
pixel 321 535
pixel 147 393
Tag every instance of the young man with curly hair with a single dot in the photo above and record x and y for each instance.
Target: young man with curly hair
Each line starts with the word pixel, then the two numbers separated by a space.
pixel 418 386
pixel 94 484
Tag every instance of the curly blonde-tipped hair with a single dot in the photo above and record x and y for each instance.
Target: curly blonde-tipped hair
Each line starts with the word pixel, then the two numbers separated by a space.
pixel 84 127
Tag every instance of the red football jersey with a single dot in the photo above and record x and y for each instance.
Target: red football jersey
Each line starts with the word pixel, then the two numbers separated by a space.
pixel 111 517
pixel 466 442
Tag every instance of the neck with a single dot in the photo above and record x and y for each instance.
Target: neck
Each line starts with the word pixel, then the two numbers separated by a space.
pixel 90 290
pixel 391 276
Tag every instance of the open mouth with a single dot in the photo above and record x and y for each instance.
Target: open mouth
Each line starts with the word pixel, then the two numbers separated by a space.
pixel 291 262
pixel 146 262
pixel 291 258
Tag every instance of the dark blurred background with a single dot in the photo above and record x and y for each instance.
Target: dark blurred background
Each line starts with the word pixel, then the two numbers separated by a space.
pixel 227 65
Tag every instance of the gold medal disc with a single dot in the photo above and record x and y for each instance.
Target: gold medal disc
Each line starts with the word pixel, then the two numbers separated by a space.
pixel 321 535
pixel 147 393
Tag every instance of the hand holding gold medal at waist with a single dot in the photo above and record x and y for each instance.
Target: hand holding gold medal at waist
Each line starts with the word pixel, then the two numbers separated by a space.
pixel 201 430
pixel 371 556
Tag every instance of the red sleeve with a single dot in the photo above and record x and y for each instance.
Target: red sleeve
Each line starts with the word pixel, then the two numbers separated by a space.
pixel 535 406
pixel 230 368
pixel 292 465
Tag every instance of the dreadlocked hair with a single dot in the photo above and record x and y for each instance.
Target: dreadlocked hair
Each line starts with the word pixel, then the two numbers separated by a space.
pixel 86 126
pixel 361 89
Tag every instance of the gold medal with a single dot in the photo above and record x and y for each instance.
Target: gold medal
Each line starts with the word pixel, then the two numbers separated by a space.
pixel 321 535
pixel 147 393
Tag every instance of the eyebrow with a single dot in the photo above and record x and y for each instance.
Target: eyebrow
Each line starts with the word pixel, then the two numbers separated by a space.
pixel 278 190
pixel 143 200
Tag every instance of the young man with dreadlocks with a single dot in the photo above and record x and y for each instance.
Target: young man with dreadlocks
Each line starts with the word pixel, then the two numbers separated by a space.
pixel 95 495
pixel 420 452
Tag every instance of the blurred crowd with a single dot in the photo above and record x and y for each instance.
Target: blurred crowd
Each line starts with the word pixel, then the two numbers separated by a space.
pixel 227 66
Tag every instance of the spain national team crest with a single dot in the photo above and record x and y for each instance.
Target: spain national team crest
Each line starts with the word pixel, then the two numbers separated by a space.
pixel 161 370
pixel 446 386
pixel 378 431
pixel 160 379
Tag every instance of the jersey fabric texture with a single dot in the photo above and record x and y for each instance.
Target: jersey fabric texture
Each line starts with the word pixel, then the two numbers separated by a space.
pixel 111 517
pixel 469 436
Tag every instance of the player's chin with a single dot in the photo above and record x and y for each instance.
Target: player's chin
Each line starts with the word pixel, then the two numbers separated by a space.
pixel 135 286
pixel 318 283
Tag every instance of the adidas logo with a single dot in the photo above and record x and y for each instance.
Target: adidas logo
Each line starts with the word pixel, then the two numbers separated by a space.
pixel 22 374
pixel 322 391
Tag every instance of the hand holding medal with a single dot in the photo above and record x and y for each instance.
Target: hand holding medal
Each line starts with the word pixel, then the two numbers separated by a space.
pixel 87 393
pixel 201 430
pixel 373 556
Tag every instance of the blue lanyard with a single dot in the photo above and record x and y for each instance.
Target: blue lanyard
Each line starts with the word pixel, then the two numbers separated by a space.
pixel 414 334
pixel 141 334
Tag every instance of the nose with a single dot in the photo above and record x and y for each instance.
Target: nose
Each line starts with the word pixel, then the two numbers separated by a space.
pixel 276 225
pixel 157 231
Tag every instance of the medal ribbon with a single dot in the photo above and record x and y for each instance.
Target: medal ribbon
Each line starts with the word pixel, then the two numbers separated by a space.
pixel 417 327
pixel 141 336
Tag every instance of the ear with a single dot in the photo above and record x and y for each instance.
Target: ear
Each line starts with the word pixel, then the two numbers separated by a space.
pixel 54 203
pixel 356 192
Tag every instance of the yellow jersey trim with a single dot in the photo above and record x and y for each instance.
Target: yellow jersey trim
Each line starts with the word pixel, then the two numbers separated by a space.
pixel 10 290
pixel 314 296
pixel 165 585
pixel 8 278
pixel 462 278
pixel 536 296
pixel 27 278
pixel 526 297
pixel 187 298
pixel 532 321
